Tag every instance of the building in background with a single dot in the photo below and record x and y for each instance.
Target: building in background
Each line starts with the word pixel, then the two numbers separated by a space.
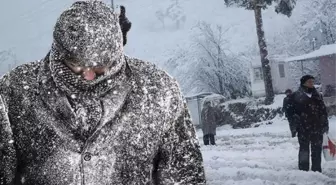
pixel 286 72
pixel 326 58
pixel 280 76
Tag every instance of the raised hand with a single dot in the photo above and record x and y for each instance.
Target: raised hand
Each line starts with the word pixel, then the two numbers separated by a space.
pixel 125 24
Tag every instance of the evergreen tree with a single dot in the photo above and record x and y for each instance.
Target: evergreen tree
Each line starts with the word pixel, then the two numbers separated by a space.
pixel 284 7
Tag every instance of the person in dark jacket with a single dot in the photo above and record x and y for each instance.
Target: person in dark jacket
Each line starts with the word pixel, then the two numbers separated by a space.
pixel 286 108
pixel 311 119
pixel 209 123
pixel 88 114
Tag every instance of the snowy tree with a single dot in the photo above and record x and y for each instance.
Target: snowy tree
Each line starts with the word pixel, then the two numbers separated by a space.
pixel 283 6
pixel 287 42
pixel 318 22
pixel 226 2
pixel 161 16
pixel 208 66
pixel 229 3
pixel 218 69
pixel 305 31
pixel 176 13
pixel 173 12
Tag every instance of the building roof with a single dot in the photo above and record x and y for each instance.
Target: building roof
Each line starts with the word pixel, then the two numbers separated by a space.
pixel 200 95
pixel 324 50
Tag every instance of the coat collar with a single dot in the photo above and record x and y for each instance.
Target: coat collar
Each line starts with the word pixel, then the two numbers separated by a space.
pixel 58 103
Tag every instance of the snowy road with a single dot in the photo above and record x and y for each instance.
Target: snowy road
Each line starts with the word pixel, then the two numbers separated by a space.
pixel 260 156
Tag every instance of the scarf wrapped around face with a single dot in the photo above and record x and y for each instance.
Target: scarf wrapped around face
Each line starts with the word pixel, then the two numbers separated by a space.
pixel 76 86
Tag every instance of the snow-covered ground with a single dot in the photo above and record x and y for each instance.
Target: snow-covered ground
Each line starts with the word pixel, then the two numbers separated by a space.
pixel 266 155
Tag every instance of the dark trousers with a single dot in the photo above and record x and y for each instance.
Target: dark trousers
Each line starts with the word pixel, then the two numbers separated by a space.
pixel 310 141
pixel 209 139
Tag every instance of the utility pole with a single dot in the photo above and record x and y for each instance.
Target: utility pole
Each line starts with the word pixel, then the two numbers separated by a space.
pixel 314 43
pixel 265 63
pixel 112 5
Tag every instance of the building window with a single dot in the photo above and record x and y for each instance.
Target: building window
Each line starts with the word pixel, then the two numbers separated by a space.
pixel 258 74
pixel 282 70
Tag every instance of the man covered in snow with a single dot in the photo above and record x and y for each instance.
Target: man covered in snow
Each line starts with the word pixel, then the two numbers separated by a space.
pixel 286 108
pixel 88 114
pixel 209 123
pixel 311 119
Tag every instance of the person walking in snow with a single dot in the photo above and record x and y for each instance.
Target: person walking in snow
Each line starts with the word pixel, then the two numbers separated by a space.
pixel 209 120
pixel 88 114
pixel 310 116
pixel 286 108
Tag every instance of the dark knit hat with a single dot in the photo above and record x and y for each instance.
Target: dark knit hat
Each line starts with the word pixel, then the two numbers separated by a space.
pixel 288 91
pixel 305 78
pixel 88 33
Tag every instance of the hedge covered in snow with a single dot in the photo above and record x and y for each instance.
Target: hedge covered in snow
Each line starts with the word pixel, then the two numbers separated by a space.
pixel 249 112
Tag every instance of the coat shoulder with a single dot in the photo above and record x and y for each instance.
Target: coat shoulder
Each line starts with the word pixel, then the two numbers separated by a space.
pixel 294 96
pixel 157 82
pixel 19 78
pixel 150 75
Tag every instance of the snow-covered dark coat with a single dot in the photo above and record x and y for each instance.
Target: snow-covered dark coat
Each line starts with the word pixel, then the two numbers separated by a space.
pixel 133 129
pixel 150 139
pixel 309 113
pixel 286 106
pixel 209 119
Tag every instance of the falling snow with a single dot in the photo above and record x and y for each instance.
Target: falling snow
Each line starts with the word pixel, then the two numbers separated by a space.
pixel 118 130
pixel 110 130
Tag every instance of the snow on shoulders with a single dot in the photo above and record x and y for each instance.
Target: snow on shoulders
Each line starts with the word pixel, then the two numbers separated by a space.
pixel 150 72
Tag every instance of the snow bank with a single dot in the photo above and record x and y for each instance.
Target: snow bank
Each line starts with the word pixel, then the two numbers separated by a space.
pixel 266 155
pixel 249 112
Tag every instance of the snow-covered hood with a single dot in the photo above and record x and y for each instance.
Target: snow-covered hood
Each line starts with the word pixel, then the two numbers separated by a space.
pixel 89 34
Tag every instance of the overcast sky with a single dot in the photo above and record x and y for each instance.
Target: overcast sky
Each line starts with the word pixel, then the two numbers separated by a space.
pixel 26 26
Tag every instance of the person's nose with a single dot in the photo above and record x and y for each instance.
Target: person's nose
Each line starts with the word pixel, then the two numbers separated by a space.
pixel 89 74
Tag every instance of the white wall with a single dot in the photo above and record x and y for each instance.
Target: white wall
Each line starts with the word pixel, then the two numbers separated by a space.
pixel 280 84
pixel 257 86
pixel 194 111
